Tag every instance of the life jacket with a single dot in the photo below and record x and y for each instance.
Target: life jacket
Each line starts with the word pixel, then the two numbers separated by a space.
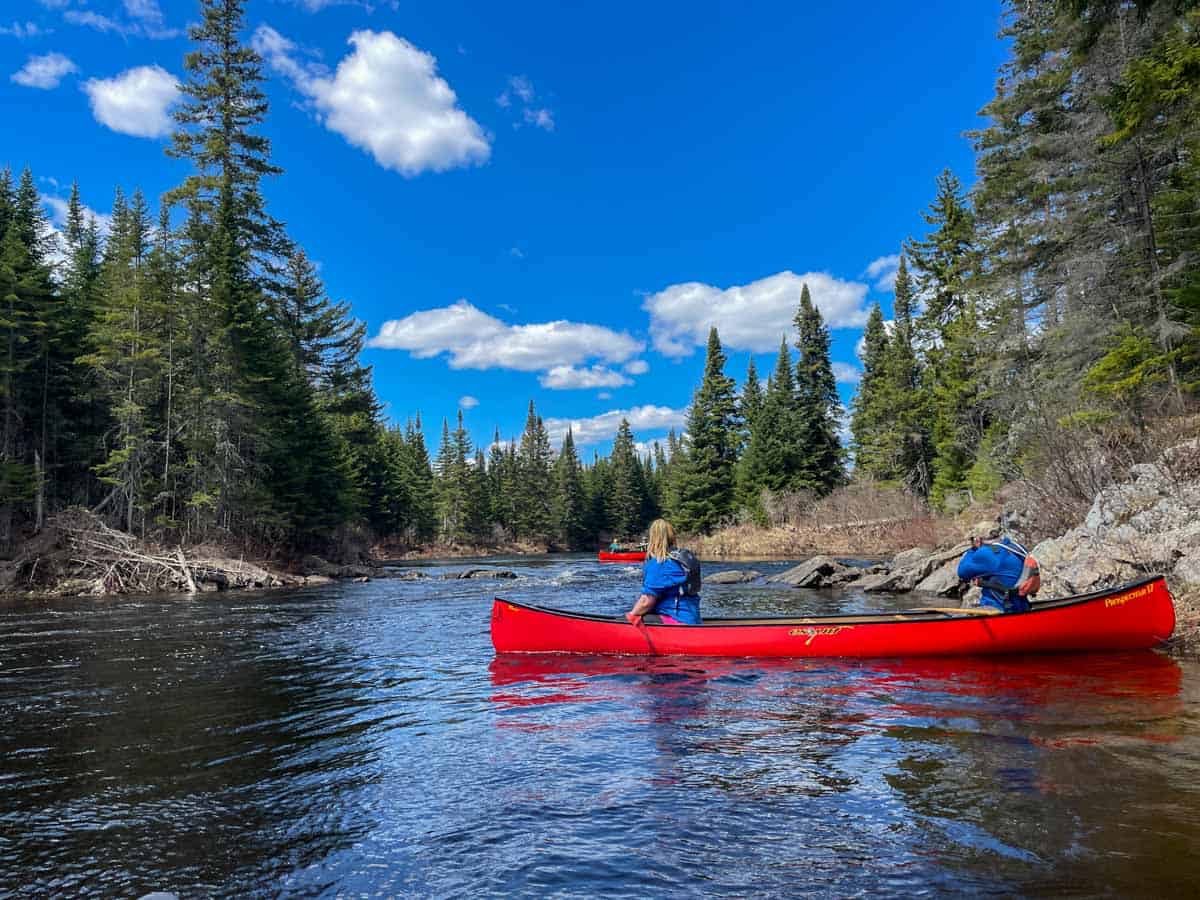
pixel 1029 582
pixel 691 566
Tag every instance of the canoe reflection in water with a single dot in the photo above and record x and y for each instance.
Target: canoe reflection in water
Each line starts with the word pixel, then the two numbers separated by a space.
pixel 968 757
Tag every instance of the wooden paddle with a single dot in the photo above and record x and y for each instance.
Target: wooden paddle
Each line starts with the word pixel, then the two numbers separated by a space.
pixel 959 611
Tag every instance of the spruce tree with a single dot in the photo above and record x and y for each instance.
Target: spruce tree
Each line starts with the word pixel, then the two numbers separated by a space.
pixel 818 407
pixel 534 489
pixel 870 418
pixel 570 497
pixel 706 489
pixel 626 491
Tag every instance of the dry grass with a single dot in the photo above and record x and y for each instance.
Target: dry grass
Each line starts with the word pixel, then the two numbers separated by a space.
pixel 1067 465
pixel 861 519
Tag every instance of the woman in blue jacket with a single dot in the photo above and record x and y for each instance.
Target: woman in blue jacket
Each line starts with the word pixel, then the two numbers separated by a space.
pixel 663 582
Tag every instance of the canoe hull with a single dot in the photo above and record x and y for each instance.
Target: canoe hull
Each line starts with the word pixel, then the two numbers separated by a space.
pixel 1131 617
pixel 605 556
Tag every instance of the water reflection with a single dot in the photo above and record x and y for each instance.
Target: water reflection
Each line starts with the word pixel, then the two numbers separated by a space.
pixel 993 768
pixel 364 740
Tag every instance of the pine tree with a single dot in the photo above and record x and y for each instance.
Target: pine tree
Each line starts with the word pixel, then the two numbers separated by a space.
pixel 626 491
pixel 126 357
pixel 903 444
pixel 750 401
pixel 870 418
pixel 534 488
pixel 818 407
pixel 772 458
pixel 419 479
pixel 706 489
pixel 570 498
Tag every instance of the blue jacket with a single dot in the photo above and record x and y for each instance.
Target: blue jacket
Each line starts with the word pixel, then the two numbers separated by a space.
pixel 992 562
pixel 663 580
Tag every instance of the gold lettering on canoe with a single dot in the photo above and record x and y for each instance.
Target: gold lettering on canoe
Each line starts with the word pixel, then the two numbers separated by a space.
pixel 1122 599
pixel 813 632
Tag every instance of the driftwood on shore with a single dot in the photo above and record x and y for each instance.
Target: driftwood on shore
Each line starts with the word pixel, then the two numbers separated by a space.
pixel 79 554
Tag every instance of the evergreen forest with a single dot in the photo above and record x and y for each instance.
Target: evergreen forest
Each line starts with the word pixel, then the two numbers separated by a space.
pixel 186 375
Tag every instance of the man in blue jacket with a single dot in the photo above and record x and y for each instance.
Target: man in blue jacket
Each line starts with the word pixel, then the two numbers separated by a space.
pixel 998 567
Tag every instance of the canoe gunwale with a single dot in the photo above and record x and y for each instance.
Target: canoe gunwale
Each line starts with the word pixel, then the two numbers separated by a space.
pixel 916 616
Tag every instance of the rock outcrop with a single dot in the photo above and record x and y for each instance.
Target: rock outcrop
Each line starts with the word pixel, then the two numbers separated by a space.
pixel 820 571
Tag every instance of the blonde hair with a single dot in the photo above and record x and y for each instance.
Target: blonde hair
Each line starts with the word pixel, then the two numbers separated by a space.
pixel 662 539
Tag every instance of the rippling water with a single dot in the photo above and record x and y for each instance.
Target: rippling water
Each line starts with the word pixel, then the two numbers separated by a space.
pixel 363 740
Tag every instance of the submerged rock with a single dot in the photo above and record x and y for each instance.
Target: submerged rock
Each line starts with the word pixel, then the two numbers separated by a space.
pixel 733 576
pixel 481 573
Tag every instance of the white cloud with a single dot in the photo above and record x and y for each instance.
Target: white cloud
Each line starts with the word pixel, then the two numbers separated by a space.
pixel 385 98
pixel 58 206
pixel 89 19
pixel 134 102
pixel 542 118
pixel 636 367
pixel 468 402
pixel 749 317
pixel 23 30
pixel 604 395
pixel 520 93
pixel 565 378
pixel 883 271
pixel 475 340
pixel 603 427
pixel 147 11
pixel 44 72
pixel 846 373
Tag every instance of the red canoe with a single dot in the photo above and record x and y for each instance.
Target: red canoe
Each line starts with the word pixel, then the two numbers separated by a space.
pixel 634 556
pixel 1130 617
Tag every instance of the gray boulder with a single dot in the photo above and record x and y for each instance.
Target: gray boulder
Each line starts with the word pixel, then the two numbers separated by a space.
pixel 1187 570
pixel 820 571
pixel 733 576
pixel 943 581
pixel 911 557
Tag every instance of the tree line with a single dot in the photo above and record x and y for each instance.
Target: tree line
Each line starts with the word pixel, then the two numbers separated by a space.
pixel 187 376
pixel 1062 293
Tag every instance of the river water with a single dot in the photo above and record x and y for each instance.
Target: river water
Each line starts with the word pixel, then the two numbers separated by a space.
pixel 363 740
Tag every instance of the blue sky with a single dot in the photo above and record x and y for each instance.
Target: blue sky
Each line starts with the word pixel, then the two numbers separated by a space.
pixel 547 201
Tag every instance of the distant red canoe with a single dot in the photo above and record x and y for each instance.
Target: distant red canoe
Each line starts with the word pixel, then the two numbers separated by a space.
pixel 636 556
pixel 1134 616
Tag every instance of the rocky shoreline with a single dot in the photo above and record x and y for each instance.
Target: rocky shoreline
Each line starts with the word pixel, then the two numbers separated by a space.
pixel 1146 525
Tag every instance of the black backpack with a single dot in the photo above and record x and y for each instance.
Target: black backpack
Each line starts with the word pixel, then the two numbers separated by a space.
pixel 691 565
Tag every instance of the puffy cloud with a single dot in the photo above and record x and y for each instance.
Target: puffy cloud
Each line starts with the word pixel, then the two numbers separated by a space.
pixel 44 72
pixel 603 427
pixel 385 98
pixel 748 317
pixel 846 373
pixel 563 378
pixel 475 340
pixel 883 271
pixel 637 367
pixel 134 102
pixel 467 402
